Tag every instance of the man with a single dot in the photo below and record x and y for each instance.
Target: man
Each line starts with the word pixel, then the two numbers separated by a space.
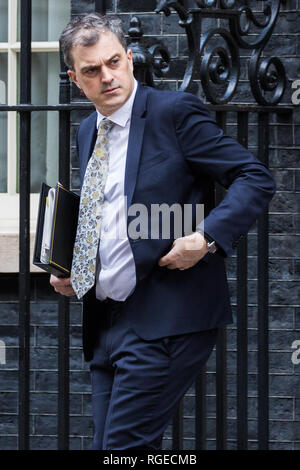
pixel 152 306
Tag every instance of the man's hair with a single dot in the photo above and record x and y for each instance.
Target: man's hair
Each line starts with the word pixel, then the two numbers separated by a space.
pixel 86 30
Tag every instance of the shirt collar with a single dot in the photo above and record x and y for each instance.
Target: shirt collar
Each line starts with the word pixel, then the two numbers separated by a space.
pixel 123 114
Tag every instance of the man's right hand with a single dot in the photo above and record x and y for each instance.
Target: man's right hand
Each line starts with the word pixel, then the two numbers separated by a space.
pixel 62 285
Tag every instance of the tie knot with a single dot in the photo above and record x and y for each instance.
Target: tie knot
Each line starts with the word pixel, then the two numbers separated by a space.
pixel 105 126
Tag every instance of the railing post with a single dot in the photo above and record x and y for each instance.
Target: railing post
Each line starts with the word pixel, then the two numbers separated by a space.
pixel 177 429
pixel 63 303
pixel 221 346
pixel 100 6
pixel 242 314
pixel 200 410
pixel 24 230
pixel 263 297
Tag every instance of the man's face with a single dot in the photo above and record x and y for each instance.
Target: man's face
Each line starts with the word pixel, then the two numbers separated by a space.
pixel 104 72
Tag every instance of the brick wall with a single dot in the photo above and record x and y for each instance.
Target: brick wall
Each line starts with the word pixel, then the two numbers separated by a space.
pixel 284 270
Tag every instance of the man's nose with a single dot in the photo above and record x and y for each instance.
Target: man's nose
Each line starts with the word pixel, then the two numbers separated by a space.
pixel 106 75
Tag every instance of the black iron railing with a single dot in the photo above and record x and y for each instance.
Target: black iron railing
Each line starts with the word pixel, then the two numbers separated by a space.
pixel 24 262
pixel 150 62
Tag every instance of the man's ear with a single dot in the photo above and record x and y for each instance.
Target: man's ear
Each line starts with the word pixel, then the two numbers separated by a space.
pixel 72 76
pixel 130 58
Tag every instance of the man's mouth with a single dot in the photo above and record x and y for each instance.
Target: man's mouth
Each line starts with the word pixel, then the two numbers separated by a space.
pixel 110 90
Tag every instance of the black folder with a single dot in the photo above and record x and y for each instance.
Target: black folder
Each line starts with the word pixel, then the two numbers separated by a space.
pixel 61 233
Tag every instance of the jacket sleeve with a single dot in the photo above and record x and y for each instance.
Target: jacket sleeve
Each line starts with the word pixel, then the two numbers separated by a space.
pixel 249 184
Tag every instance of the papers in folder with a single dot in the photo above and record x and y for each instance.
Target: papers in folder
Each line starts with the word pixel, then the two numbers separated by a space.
pixel 56 230
pixel 48 219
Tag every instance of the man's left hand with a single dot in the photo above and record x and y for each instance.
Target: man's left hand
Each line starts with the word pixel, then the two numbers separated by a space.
pixel 185 252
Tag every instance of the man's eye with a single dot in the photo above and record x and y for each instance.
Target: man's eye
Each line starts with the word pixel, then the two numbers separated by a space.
pixel 91 72
pixel 115 61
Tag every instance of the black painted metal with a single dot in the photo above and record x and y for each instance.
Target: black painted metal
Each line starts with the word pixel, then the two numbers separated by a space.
pixel 88 106
pixel 221 366
pixel 24 239
pixel 241 318
pixel 63 404
pixel 221 391
pixel 100 6
pixel 217 62
pixel 177 428
pixel 47 107
pixel 63 304
pixel 147 61
pixel 200 411
pixel 263 299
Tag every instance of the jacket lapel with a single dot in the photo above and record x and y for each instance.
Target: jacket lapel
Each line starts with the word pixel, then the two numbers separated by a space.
pixel 135 141
pixel 89 143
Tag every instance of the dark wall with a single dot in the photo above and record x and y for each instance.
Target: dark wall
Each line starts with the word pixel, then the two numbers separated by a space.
pixel 284 263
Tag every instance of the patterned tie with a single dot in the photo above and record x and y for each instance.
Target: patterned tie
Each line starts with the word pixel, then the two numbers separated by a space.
pixel 89 219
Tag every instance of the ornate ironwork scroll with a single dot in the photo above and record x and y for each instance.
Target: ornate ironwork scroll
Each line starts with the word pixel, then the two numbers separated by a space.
pixel 214 54
pixel 147 61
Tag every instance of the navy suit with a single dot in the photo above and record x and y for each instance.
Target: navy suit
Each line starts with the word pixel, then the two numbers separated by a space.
pixel 176 152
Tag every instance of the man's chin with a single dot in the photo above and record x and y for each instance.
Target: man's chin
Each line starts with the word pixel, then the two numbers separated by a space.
pixel 109 106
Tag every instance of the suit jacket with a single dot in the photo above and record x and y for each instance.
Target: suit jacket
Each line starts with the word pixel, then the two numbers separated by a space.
pixel 176 152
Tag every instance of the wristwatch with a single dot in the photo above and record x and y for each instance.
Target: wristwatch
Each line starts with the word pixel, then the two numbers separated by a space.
pixel 211 246
pixel 210 243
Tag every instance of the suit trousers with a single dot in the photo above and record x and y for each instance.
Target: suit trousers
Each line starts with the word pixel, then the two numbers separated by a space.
pixel 137 384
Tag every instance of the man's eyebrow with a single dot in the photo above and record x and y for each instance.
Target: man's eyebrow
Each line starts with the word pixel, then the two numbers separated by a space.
pixel 113 57
pixel 89 67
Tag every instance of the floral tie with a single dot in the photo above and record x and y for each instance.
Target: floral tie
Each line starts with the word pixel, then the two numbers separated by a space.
pixel 89 219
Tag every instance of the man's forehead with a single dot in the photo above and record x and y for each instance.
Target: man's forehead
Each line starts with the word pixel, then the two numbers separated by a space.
pixel 106 47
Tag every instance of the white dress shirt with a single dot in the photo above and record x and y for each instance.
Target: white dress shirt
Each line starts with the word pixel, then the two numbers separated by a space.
pixel 115 275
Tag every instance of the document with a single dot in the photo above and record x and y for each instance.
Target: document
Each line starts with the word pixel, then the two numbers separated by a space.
pixel 48 222
pixel 56 229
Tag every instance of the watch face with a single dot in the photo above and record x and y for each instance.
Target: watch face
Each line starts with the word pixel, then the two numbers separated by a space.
pixel 211 246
